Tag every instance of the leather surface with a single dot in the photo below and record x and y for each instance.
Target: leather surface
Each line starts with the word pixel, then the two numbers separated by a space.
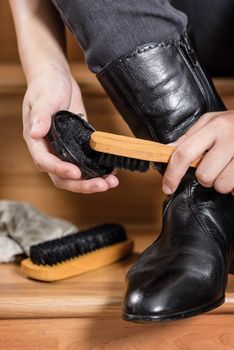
pixel 187 267
pixel 161 90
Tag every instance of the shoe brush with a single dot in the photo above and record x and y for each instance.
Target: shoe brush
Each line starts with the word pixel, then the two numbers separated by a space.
pixel 77 253
pixel 97 153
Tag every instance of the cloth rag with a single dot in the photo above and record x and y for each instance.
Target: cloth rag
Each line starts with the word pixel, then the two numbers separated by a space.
pixel 22 225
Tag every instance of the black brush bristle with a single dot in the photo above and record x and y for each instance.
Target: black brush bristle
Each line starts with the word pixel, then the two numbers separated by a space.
pixel 114 161
pixel 120 162
pixel 71 246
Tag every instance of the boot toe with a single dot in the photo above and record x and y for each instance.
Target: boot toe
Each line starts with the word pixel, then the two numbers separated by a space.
pixel 170 297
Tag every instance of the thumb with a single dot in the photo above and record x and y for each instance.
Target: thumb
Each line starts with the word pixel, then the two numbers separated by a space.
pixel 40 120
pixel 76 104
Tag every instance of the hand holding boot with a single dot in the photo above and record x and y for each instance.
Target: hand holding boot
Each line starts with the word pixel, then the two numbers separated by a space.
pixel 213 133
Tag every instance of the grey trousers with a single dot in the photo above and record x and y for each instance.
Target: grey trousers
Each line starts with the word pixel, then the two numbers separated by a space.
pixel 107 29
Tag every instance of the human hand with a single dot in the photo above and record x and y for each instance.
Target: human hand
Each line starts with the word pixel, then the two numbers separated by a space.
pixel 47 93
pixel 214 133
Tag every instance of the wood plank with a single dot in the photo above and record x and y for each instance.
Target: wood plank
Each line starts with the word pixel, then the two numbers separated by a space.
pixel 8 38
pixel 80 296
pixel 7 35
pixel 213 332
pixel 12 80
pixel 86 295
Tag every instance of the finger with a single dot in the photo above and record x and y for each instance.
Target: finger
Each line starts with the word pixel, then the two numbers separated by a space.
pixel 40 120
pixel 202 121
pixel 49 163
pixel 77 105
pixel 185 153
pixel 115 171
pixel 81 186
pixel 40 116
pixel 225 181
pixel 112 181
pixel 213 163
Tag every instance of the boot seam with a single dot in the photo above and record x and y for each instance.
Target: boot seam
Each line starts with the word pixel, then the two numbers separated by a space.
pixel 194 74
pixel 206 231
pixel 142 49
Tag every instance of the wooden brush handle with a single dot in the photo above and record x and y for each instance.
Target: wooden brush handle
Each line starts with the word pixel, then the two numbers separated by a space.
pixel 133 147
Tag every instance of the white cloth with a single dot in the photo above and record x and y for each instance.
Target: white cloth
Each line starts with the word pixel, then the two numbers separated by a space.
pixel 22 226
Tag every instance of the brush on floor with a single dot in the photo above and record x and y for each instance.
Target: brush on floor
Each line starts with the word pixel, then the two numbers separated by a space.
pixel 97 153
pixel 77 253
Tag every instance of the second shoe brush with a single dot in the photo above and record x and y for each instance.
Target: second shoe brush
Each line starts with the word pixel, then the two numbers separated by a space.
pixel 97 153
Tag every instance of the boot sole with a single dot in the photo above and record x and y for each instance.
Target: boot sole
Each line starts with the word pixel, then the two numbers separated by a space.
pixel 173 316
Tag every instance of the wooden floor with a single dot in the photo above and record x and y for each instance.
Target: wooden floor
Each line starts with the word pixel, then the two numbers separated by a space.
pixel 84 313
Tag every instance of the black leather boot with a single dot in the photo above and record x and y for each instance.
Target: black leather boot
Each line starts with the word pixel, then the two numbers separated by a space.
pixel 161 90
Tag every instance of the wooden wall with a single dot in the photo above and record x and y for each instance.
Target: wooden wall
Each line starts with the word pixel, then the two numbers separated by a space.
pixel 8 52
pixel 135 203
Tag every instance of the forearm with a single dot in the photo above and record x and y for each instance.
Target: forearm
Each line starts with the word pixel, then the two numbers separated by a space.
pixel 40 36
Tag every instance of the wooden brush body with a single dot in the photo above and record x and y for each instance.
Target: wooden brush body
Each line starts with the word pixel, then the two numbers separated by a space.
pixel 76 266
pixel 131 147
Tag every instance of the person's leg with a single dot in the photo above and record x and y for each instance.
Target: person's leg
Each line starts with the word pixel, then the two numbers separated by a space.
pixel 108 29
pixel 161 90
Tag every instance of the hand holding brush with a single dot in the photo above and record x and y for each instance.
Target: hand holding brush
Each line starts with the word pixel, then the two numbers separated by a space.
pixel 97 153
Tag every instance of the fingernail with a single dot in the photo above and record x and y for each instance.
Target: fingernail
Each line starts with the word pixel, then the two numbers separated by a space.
pixel 34 129
pixel 167 190
pixel 114 182
pixel 35 126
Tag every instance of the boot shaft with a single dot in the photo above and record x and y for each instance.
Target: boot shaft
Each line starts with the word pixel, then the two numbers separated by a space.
pixel 160 89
